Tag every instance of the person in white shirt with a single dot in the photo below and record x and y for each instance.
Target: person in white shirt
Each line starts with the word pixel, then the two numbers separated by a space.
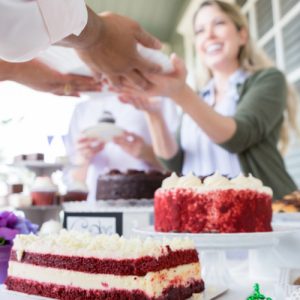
pixel 107 43
pixel 132 150
pixel 39 76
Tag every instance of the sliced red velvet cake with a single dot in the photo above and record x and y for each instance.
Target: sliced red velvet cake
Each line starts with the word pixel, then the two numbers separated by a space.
pixel 75 265
pixel 217 204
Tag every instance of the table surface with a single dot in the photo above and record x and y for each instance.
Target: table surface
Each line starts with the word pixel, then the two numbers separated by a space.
pixel 238 293
pixel 243 287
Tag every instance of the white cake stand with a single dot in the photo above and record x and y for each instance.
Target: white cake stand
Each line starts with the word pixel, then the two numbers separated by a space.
pixel 212 248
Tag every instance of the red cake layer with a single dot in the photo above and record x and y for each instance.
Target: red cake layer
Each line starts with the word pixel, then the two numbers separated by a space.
pixel 72 293
pixel 137 267
pixel 185 210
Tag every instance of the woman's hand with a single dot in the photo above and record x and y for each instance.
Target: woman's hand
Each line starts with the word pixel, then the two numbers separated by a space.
pixel 148 105
pixel 131 143
pixel 87 148
pixel 136 146
pixel 167 85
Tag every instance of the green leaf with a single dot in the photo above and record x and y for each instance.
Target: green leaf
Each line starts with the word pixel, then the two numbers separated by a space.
pixel 2 241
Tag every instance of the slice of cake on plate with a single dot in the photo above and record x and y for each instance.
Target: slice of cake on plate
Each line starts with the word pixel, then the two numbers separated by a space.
pixel 75 265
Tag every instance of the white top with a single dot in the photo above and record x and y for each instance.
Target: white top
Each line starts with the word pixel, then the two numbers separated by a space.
pixel 30 26
pixel 87 114
pixel 202 156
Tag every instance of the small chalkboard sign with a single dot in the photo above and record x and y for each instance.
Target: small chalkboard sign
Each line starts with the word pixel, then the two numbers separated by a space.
pixel 94 223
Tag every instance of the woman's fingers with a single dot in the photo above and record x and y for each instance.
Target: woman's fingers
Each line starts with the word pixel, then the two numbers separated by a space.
pixel 130 142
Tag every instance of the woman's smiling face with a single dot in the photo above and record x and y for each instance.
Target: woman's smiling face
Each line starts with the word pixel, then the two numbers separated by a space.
pixel 217 38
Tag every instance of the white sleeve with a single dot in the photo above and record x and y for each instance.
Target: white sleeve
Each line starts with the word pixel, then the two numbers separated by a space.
pixel 30 26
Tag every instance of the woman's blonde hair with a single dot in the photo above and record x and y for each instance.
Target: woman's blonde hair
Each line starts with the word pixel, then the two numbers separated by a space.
pixel 253 59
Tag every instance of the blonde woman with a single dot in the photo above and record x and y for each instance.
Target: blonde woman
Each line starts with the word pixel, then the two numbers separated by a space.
pixel 233 125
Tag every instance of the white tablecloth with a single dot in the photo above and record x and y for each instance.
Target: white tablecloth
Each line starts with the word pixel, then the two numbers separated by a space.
pixel 263 267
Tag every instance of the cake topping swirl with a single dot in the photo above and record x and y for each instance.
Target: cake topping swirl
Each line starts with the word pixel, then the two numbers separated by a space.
pixel 216 181
pixel 189 180
pixel 171 181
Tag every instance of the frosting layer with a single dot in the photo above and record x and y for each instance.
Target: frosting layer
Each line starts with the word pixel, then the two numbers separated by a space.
pixel 216 182
pixel 152 284
pixel 101 246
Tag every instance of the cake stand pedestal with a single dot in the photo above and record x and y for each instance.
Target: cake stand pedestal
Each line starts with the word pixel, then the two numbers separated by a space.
pixel 214 268
pixel 212 248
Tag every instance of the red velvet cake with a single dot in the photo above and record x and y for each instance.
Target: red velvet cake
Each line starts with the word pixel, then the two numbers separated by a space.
pixel 217 204
pixel 76 191
pixel 75 265
pixel 43 191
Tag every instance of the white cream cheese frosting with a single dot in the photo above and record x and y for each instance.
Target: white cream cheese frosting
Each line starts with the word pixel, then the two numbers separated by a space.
pixel 216 182
pixel 189 180
pixel 100 246
pixel 151 283
pixel 43 184
pixel 171 181
pixel 77 186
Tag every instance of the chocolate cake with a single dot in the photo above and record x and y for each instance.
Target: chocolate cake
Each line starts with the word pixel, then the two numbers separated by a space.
pixel 15 188
pixel 130 185
pixel 35 156
pixel 29 157
pixel 107 117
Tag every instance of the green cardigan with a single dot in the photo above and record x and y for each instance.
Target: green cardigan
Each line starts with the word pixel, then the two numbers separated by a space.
pixel 259 117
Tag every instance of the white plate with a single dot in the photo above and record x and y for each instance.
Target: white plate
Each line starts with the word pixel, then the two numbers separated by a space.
pixel 157 57
pixel 211 292
pixel 286 217
pixel 226 240
pixel 103 131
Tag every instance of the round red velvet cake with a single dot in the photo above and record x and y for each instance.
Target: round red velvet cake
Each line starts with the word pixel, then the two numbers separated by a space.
pixel 217 204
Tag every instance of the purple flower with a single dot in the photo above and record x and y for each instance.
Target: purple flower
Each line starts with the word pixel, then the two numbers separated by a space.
pixel 25 226
pixel 11 225
pixel 8 219
pixel 8 234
